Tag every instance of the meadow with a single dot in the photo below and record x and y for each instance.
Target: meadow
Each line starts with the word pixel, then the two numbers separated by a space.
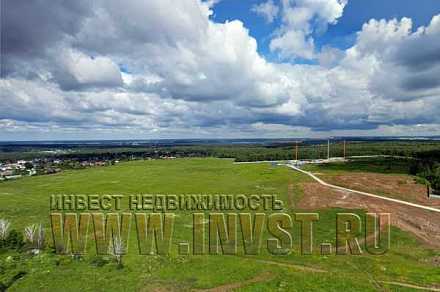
pixel 26 201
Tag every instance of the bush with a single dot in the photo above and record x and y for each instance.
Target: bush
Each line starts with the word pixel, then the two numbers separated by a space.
pixel 35 236
pixel 16 277
pixel 99 262
pixel 4 229
pixel 435 183
pixel 429 170
pixel 14 240
pixel 421 181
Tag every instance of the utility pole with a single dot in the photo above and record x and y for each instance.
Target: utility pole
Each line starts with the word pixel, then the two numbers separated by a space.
pixel 345 149
pixel 328 149
pixel 296 151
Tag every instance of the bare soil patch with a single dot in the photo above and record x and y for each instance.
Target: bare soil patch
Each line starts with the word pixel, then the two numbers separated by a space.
pixel 407 285
pixel 424 224
pixel 435 261
pixel 401 187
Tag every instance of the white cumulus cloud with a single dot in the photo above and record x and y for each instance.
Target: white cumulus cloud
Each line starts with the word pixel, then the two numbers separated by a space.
pixel 268 10
pixel 165 68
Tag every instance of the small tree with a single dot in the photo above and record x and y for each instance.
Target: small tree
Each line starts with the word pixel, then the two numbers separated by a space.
pixel 434 177
pixel 34 235
pixel 40 237
pixel 28 165
pixel 29 233
pixel 435 183
pixel 117 249
pixel 4 229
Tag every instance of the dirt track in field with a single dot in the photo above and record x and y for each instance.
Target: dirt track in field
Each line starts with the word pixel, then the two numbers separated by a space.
pixel 425 225
pixel 264 277
pixel 402 187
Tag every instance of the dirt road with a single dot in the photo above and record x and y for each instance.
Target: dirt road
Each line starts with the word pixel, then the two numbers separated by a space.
pixel 320 181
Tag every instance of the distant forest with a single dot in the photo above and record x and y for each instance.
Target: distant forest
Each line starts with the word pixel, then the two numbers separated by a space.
pixel 425 155
pixel 240 152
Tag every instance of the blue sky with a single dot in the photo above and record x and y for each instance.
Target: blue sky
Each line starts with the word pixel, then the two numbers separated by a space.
pixel 148 69
pixel 341 35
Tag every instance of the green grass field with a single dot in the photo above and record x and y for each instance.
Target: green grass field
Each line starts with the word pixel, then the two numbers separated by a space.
pixel 26 201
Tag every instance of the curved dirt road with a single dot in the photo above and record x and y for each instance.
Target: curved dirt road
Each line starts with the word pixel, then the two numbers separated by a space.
pixel 320 181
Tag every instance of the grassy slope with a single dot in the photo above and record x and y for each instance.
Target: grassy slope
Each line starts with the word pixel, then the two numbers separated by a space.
pixel 27 201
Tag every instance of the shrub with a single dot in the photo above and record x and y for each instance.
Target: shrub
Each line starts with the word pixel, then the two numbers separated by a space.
pixel 99 261
pixel 14 240
pixel 117 249
pixel 421 181
pixel 4 229
pixel 34 235
pixel 435 183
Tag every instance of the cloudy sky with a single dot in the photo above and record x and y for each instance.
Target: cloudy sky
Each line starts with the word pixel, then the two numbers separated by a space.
pixel 112 69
